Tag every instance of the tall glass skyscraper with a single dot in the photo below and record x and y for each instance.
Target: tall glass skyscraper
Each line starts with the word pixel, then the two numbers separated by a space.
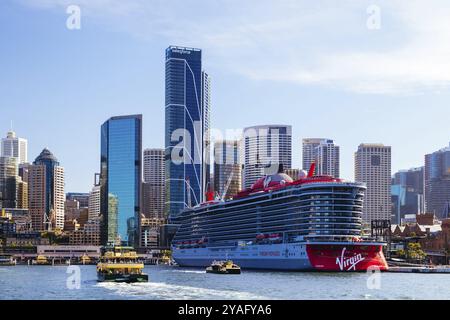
pixel 407 193
pixel 437 183
pixel 120 178
pixel 187 127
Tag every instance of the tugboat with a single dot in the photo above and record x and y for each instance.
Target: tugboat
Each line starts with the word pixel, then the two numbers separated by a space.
pixel 120 264
pixel 224 267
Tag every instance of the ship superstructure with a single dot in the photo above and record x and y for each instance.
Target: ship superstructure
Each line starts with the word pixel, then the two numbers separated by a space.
pixel 313 223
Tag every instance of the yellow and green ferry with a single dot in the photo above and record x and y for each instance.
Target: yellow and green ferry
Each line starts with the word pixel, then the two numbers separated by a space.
pixel 120 264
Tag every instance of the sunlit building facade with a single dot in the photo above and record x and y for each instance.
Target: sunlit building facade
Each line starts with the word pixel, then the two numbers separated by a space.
pixel 267 149
pixel 437 183
pixel 324 153
pixel 120 179
pixel 373 167
pixel 227 168
pixel 46 192
pixel 187 129
pixel 13 146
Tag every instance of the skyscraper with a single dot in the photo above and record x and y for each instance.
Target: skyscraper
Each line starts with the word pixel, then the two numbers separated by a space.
pixel 373 167
pixel 266 147
pixel 8 175
pixel 154 190
pixel 206 99
pixel 15 147
pixel 94 204
pixel 187 127
pixel 437 182
pixel 120 178
pixel 46 192
pixel 407 193
pixel 324 153
pixel 82 198
pixel 227 168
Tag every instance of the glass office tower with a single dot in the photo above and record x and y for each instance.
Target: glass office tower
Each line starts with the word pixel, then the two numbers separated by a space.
pixel 187 127
pixel 120 178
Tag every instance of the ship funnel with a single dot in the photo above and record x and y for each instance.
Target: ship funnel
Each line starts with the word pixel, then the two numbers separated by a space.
pixel 312 170
pixel 210 196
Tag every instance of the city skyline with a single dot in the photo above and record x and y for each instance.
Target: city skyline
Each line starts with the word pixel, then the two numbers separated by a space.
pixel 81 81
pixel 149 148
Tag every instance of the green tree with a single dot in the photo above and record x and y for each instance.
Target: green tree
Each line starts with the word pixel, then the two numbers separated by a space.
pixel 415 252
pixel 401 253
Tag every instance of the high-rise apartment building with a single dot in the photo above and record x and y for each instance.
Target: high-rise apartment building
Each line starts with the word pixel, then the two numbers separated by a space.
pixel 227 168
pixel 121 178
pixel 324 153
pixel 154 187
pixel 14 147
pixel 187 129
pixel 437 183
pixel 46 192
pixel 373 167
pixel 266 149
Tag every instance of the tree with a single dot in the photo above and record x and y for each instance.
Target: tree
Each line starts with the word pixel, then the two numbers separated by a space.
pixel 401 253
pixel 415 252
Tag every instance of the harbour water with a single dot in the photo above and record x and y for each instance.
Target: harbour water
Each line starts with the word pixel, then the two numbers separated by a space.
pixel 50 283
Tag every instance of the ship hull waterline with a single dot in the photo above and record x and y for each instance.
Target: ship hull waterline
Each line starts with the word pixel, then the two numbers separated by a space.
pixel 131 278
pixel 338 257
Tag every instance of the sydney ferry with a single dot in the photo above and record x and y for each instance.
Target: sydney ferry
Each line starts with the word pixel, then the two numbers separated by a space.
pixel 313 223
pixel 120 264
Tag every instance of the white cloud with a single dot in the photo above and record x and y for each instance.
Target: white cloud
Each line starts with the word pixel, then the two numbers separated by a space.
pixel 294 41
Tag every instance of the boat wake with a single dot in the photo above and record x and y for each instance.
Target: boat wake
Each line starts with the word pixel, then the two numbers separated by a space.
pixel 165 291
pixel 189 271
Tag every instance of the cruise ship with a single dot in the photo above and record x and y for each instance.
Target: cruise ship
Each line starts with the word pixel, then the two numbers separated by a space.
pixel 310 224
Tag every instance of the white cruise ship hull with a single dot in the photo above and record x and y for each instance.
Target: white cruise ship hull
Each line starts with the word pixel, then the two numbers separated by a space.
pixel 289 257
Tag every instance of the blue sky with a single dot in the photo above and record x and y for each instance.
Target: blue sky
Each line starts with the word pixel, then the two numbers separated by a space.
pixel 315 66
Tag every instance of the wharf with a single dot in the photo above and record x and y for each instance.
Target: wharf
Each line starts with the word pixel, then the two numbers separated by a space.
pixel 420 269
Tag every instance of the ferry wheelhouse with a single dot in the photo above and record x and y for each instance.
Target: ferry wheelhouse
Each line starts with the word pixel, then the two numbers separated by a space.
pixel 314 223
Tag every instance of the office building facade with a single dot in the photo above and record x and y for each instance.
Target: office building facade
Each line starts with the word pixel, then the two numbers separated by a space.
pixel 267 149
pixel 227 168
pixel 94 205
pixel 373 167
pixel 46 192
pixel 8 178
pixel 407 194
pixel 121 178
pixel 324 153
pixel 187 110
pixel 15 147
pixel 437 183
pixel 154 190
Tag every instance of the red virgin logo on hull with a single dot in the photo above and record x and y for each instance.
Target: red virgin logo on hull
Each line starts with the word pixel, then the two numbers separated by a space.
pixel 349 263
